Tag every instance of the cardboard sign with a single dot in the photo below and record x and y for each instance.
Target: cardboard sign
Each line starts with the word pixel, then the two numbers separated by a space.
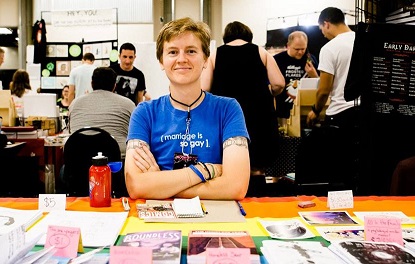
pixel 67 240
pixel 131 255
pixel 52 202
pixel 228 255
pixel 340 199
pixel 380 229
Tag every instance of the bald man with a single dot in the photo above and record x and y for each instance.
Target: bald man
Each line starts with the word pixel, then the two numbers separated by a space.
pixel 295 63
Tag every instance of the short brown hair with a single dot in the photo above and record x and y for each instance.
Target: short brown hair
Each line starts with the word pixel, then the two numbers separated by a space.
pixel 177 27
pixel 237 30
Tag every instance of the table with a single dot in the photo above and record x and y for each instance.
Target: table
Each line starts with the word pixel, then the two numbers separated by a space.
pixel 50 159
pixel 256 208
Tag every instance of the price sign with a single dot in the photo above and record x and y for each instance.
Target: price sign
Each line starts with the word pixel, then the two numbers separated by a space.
pixel 67 240
pixel 52 202
pixel 381 229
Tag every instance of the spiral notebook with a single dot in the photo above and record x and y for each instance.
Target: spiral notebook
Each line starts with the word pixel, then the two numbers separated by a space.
pixel 187 208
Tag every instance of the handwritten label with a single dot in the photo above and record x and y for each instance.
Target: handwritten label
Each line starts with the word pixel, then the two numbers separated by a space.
pixel 379 229
pixel 52 202
pixel 131 255
pixel 228 256
pixel 340 199
pixel 67 240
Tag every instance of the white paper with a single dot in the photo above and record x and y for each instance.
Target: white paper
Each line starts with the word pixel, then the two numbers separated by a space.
pixel 340 199
pixel 98 229
pixel 187 207
pixel 404 218
pixel 52 202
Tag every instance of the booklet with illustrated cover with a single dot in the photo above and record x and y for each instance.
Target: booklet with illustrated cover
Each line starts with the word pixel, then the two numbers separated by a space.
pixel 200 240
pixel 155 210
pixel 288 229
pixel 166 244
pixel 327 218
pixel 298 252
pixel 366 252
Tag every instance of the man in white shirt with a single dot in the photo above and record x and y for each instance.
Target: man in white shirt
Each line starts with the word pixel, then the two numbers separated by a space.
pixel 80 77
pixel 338 142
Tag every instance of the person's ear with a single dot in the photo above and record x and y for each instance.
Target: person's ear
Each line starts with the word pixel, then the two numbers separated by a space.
pixel 161 65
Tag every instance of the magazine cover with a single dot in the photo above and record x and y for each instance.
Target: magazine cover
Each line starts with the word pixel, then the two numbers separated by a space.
pixel 367 252
pixel 289 229
pixel 199 240
pixel 327 218
pixel 166 244
pixel 163 210
pixel 342 233
pixel 297 252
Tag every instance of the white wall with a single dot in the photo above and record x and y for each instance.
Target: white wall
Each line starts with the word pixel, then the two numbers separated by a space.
pixel 10 58
pixel 9 13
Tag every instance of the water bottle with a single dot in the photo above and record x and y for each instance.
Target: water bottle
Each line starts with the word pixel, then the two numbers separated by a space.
pixel 100 182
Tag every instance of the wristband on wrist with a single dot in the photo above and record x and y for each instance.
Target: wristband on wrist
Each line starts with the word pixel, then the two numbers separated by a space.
pixel 198 173
pixel 213 170
pixel 313 108
pixel 206 169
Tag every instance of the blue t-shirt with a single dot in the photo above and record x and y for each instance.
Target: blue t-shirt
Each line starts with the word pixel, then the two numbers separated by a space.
pixel 163 127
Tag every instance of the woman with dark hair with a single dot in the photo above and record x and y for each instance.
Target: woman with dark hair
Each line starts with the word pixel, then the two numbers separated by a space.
pixel 19 86
pixel 248 73
pixel 63 102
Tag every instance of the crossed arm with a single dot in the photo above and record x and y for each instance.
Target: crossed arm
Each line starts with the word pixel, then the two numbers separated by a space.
pixel 145 180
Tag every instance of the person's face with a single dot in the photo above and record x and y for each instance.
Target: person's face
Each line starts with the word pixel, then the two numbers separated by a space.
pixel 297 48
pixel 183 59
pixel 325 30
pixel 65 92
pixel 127 58
pixel 1 58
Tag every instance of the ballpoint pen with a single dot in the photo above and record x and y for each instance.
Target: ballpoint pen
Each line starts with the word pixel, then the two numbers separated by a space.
pixel 241 208
pixel 125 204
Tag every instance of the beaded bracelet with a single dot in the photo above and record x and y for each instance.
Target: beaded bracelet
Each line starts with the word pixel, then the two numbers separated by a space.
pixel 206 169
pixel 198 173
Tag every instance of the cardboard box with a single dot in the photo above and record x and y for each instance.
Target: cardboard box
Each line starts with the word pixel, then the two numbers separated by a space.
pixel 46 123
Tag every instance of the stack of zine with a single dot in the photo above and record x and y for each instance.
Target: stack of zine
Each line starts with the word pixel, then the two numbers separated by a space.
pixel 166 244
pixel 281 252
pixel 200 240
pixel 366 252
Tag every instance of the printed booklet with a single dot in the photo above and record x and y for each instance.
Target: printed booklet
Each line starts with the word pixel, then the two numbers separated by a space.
pixel 166 244
pixel 366 252
pixel 155 210
pixel 200 240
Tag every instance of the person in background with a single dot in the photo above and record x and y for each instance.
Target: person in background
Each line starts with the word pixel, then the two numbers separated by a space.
pixel 334 65
pixel 295 63
pixel 2 52
pixel 63 102
pixel 102 108
pixel 130 80
pixel 248 73
pixel 80 77
pixel 19 87
pixel 188 143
